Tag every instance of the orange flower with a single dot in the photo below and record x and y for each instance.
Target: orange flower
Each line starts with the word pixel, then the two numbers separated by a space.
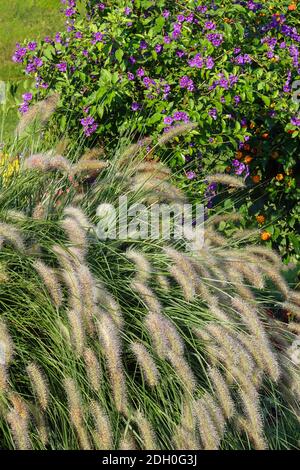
pixel 279 177
pixel 247 147
pixel 292 7
pixel 239 155
pixel 265 135
pixel 265 236
pixel 248 159
pixel 252 125
pixel 260 219
pixel 256 179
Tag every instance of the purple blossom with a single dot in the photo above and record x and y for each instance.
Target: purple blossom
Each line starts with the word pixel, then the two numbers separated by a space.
pixel 215 38
pixel 191 175
pixel 98 37
pixel 166 14
pixel 295 121
pixel 158 48
pixel 213 113
pixel 167 40
pixel 62 66
pixel 127 11
pixel 140 72
pixel 27 96
pixel 181 116
pixel 130 76
pixel 196 61
pixel 210 63
pixel 143 45
pixel 210 25
pixel 89 125
pixel 168 120
pixel 24 108
pixel 135 106
pixel 187 82
pixel 32 46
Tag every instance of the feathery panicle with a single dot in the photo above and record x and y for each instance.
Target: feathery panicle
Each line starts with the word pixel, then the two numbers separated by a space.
pixel 77 331
pixel 185 440
pixel 75 233
pixel 111 344
pixel 215 413
pixel 252 273
pixel 130 154
pixel 108 302
pixel 68 258
pixel 6 344
pixel 188 416
pixel 40 112
pixel 88 292
pixel 127 441
pixel 208 433
pixel 89 167
pixel 176 131
pixel 12 235
pixel 254 436
pixel 147 295
pixel 274 275
pixel 252 411
pixel 153 169
pixel 146 432
pixel 261 252
pixel 42 428
pixel 39 212
pixel 175 342
pixel 237 280
pixel 39 385
pixel 216 219
pixel 92 154
pixel 71 280
pixel 146 363
pixel 16 216
pixel 154 323
pixel 222 392
pixel 184 282
pixel 92 368
pixel 18 419
pixel 292 308
pixel 19 428
pixel 77 214
pixel 47 162
pixel 51 281
pixel 226 179
pixel 103 433
pixel 142 265
pixel 254 325
pixel 294 328
pixel 163 283
pixel 183 371
pixel 3 379
pixel 75 412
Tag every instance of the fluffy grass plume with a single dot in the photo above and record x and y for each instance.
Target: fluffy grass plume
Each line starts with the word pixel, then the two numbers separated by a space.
pixel 131 354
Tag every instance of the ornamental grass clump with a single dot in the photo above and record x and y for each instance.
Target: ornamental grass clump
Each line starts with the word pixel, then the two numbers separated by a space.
pixel 136 343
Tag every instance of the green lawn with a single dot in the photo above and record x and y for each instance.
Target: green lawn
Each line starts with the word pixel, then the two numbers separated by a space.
pixel 19 20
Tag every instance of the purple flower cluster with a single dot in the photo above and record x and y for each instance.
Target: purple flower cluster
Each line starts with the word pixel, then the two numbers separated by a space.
pixel 19 54
pixel 89 125
pixel 242 59
pixel 187 82
pixel 178 116
pixel 27 97
pixel 215 38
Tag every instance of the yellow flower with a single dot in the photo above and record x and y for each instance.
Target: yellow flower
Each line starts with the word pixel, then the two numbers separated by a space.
pixel 8 166
pixel 279 177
